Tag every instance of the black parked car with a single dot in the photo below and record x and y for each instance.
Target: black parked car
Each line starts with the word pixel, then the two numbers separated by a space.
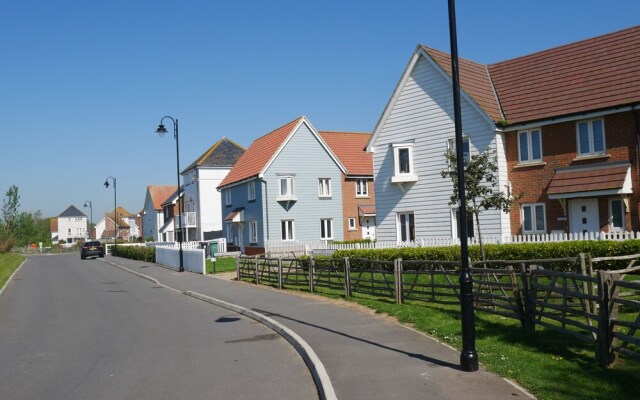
pixel 92 249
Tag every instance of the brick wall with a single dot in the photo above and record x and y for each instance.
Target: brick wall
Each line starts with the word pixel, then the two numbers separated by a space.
pixel 559 149
pixel 350 204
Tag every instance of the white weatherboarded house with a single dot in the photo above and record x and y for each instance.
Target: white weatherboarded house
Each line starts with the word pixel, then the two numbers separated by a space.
pixel 411 138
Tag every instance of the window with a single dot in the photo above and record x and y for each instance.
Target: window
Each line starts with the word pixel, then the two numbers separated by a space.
pixel 352 224
pixel 227 197
pixel 326 229
pixel 286 228
pixel 590 137
pixel 324 187
pixel 229 231
pixel 529 146
pixel 285 188
pixel 533 218
pixel 362 188
pixel 456 224
pixel 616 215
pixel 466 152
pixel 253 232
pixel 251 189
pixel 403 163
pixel 406 227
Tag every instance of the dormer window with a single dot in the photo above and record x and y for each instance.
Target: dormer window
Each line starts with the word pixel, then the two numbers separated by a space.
pixel 403 163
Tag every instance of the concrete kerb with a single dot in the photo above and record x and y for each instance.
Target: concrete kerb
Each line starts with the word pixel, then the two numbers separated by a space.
pixel 4 287
pixel 320 376
pixel 311 359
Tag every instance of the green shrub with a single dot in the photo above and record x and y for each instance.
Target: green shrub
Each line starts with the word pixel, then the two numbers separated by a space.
pixel 135 253
pixel 512 251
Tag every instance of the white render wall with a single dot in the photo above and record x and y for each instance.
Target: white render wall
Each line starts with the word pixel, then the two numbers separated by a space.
pixel 72 228
pixel 423 114
pixel 200 185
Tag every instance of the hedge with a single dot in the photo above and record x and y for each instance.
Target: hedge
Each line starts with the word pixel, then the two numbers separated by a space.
pixel 135 253
pixel 511 251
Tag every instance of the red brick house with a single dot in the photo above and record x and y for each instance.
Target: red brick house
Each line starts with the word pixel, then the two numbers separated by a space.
pixel 358 192
pixel 564 124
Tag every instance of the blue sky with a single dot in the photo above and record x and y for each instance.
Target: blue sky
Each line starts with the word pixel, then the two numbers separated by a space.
pixel 83 84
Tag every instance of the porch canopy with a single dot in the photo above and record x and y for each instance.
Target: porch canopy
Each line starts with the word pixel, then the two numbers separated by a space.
pixel 235 216
pixel 602 179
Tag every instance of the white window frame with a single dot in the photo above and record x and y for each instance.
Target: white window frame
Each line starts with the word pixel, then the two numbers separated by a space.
pixel 591 151
pixel 407 231
pixel 451 145
pixel 362 188
pixel 326 229
pixel 400 176
pixel 229 235
pixel 530 142
pixel 289 192
pixel 227 197
pixel 534 225
pixel 352 224
pixel 623 210
pixel 253 231
pixel 455 231
pixel 324 187
pixel 251 191
pixel 287 230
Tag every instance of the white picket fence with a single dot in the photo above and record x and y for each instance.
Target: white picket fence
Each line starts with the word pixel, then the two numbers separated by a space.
pixel 192 258
pixel 308 246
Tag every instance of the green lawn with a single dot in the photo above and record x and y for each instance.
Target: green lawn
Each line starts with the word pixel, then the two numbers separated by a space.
pixel 549 364
pixel 9 262
pixel 223 264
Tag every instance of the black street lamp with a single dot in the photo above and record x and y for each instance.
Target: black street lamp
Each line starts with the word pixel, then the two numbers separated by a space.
pixel 468 356
pixel 115 209
pixel 91 220
pixel 161 131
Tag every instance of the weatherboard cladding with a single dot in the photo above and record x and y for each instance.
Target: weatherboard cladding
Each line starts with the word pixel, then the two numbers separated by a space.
pixel 305 156
pixel 423 114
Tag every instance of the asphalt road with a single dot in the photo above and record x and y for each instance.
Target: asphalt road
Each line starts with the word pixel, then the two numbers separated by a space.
pixel 73 329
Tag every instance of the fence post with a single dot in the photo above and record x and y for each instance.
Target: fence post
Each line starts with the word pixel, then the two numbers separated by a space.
pixel 530 293
pixel 347 278
pixel 603 343
pixel 397 267
pixel 238 268
pixel 256 272
pixel 585 284
pixel 280 273
pixel 592 288
pixel 312 266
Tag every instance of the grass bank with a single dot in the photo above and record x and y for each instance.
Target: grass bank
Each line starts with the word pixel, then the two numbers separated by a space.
pixel 549 364
pixel 9 262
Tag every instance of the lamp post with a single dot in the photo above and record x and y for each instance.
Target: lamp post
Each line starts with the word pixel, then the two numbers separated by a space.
pixel 91 215
pixel 468 356
pixel 115 209
pixel 162 131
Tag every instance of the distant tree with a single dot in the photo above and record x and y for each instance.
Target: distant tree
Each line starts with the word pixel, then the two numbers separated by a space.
pixel 10 205
pixel 480 182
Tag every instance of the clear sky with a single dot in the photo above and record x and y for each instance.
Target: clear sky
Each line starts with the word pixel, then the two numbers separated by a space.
pixel 83 84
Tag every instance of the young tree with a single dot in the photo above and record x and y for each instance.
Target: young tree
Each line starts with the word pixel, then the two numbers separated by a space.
pixel 10 205
pixel 480 182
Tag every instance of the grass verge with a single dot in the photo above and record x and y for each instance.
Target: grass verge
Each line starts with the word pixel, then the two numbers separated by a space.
pixel 223 264
pixel 549 364
pixel 9 262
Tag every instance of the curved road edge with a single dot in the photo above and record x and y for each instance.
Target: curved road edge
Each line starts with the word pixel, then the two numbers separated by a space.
pixel 6 284
pixel 311 359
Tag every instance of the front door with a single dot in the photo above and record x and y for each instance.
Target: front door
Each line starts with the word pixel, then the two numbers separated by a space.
pixel 584 216
pixel 368 228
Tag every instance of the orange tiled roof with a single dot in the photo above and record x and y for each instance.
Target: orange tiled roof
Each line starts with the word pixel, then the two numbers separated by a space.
pixel 160 193
pixel 604 176
pixel 350 148
pixel 259 154
pixel 588 75
pixel 474 80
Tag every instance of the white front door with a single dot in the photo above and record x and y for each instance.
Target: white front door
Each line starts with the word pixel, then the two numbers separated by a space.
pixel 584 216
pixel 368 228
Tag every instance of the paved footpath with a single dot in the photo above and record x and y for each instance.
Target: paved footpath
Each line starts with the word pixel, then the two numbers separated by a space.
pixel 365 356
